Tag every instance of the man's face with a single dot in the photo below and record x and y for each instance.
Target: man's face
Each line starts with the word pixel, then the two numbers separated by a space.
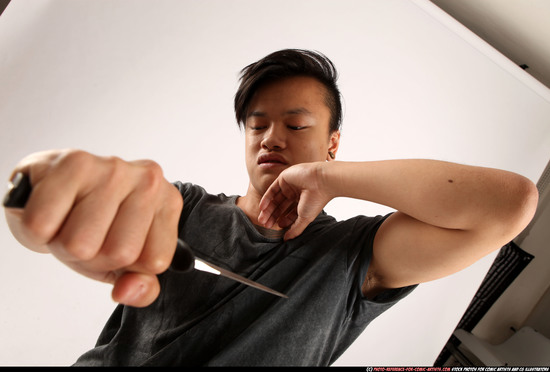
pixel 287 123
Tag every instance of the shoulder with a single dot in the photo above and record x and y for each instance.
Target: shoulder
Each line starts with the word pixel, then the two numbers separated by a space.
pixel 358 224
pixel 193 193
pixel 196 199
pixel 356 234
pixel 361 229
pixel 189 189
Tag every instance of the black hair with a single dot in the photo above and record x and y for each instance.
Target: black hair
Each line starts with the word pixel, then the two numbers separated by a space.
pixel 284 64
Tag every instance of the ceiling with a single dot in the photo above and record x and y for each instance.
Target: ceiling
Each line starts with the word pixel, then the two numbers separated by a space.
pixel 520 30
pixel 3 5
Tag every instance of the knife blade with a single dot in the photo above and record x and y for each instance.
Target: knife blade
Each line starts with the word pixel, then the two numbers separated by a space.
pixel 184 260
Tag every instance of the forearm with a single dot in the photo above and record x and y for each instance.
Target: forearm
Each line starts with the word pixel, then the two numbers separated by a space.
pixel 439 193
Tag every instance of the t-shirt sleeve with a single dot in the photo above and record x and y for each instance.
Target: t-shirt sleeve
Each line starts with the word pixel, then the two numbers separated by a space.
pixel 191 194
pixel 364 233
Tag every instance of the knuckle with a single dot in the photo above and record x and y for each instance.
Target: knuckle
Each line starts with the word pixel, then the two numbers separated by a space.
pixel 157 264
pixel 150 177
pixel 75 248
pixel 152 174
pixel 116 169
pixel 37 228
pixel 113 162
pixel 76 159
pixel 174 204
pixel 80 163
pixel 123 257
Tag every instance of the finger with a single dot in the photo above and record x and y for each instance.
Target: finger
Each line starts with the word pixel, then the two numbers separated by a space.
pixel 275 210
pixel 288 214
pixel 268 196
pixel 55 189
pixel 126 235
pixel 47 208
pixel 288 218
pixel 38 164
pixel 126 240
pixel 277 202
pixel 160 245
pixel 84 232
pixel 136 289
pixel 297 228
pixel 267 205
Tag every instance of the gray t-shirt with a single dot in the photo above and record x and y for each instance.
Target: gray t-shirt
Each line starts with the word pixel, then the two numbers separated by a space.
pixel 201 319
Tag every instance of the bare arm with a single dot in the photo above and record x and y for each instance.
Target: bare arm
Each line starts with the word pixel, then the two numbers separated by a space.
pixel 448 215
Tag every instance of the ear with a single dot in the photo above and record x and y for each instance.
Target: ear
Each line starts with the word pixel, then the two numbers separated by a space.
pixel 334 142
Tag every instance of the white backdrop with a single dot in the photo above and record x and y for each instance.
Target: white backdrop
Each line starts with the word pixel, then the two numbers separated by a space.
pixel 156 78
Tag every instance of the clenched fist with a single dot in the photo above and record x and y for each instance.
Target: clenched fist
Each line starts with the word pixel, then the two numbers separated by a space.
pixel 108 219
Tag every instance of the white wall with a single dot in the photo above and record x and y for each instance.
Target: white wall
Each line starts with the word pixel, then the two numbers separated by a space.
pixel 155 79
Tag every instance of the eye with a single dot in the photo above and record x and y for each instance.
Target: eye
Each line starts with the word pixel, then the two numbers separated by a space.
pixel 257 127
pixel 293 127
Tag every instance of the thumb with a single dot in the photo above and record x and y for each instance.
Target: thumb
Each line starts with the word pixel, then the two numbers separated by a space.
pixel 136 289
pixel 297 228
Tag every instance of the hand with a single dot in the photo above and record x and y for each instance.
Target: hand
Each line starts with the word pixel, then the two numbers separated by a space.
pixel 294 199
pixel 110 220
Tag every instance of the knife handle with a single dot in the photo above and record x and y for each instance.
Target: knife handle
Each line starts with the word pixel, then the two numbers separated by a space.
pixel 20 191
pixel 184 258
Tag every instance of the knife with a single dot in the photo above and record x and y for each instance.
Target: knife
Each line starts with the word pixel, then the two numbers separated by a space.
pixel 184 260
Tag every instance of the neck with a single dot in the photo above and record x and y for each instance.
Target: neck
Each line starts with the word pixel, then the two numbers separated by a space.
pixel 250 205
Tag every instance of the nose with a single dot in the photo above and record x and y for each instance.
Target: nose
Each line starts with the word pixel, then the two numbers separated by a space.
pixel 274 138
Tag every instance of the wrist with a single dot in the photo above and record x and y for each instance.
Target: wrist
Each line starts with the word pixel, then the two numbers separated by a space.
pixel 331 178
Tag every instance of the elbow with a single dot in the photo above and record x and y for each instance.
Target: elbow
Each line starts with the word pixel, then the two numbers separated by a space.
pixel 524 197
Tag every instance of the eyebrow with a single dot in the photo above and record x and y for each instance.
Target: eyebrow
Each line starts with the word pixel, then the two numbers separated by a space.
pixel 296 111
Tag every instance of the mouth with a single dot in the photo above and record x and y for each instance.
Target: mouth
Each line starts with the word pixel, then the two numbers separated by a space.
pixel 271 159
